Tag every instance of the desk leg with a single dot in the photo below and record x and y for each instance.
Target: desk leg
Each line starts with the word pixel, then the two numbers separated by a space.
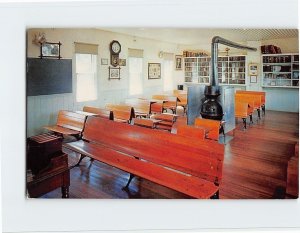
pixel 65 191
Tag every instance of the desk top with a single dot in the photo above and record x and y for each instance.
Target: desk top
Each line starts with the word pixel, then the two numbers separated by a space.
pixel 86 113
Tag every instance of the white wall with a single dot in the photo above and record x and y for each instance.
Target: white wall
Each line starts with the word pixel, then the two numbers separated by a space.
pixel 42 110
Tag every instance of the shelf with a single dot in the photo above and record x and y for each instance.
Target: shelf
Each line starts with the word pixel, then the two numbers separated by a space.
pixel 270 72
pixel 277 64
pixel 293 87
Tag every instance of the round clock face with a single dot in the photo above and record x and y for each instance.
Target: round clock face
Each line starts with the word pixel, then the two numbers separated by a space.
pixel 116 47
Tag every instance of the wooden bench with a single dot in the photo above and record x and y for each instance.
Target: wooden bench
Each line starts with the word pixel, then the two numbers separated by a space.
pixel 213 125
pixel 243 111
pixel 141 107
pixel 191 131
pixel 99 112
pixel 146 122
pixel 122 113
pixel 68 123
pixel 255 99
pixel 262 94
pixel 166 120
pixel 187 165
pixel 170 102
pixel 182 98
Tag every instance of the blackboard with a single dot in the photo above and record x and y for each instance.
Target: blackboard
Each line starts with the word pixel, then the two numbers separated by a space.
pixel 48 76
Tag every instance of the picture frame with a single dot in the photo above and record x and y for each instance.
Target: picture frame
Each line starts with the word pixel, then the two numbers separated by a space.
pixel 253 69
pixel 154 71
pixel 50 50
pixel 114 73
pixel 178 62
pixel 253 79
pixel 104 61
pixel 122 62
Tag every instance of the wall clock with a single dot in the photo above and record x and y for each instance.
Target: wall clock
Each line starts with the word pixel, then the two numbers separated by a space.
pixel 115 49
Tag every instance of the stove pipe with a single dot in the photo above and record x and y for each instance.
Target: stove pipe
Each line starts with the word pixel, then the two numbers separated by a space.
pixel 211 108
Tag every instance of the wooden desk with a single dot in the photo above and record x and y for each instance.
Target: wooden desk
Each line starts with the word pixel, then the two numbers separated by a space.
pixel 57 175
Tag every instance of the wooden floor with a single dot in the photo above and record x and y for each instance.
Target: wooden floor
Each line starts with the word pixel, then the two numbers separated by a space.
pixel 255 166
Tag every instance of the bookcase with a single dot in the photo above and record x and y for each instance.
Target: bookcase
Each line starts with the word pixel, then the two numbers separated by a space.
pixel 231 70
pixel 280 70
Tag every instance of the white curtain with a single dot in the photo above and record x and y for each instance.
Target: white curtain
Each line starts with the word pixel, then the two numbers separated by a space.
pixel 168 73
pixel 86 77
pixel 135 76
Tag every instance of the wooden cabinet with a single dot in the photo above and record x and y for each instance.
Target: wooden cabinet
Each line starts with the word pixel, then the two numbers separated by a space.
pixel 231 70
pixel 280 70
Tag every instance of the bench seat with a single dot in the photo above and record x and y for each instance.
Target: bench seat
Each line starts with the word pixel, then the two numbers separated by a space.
pixel 62 130
pixel 68 123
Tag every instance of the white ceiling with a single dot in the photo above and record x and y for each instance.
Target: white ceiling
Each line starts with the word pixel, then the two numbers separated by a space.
pixel 191 36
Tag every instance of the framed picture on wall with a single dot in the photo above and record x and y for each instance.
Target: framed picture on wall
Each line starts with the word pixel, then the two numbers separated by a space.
pixel 154 71
pixel 178 62
pixel 253 79
pixel 253 69
pixel 114 73
pixel 122 62
pixel 50 50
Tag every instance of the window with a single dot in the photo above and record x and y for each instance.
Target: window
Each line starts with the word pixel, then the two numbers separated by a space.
pixel 135 76
pixel 86 77
pixel 167 75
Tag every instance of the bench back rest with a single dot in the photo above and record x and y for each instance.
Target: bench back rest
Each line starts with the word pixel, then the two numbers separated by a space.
pixel 181 95
pixel 241 109
pixel 71 120
pixel 212 125
pixel 191 131
pixel 123 112
pixel 261 93
pixel 249 101
pixel 250 98
pixel 139 105
pixel 100 112
pixel 171 100
pixel 156 108
pixel 189 155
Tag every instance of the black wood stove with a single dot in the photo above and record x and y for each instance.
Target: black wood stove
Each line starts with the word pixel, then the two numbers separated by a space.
pixel 211 108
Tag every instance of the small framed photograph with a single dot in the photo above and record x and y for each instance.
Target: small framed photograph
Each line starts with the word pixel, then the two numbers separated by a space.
pixel 178 62
pixel 253 69
pixel 104 61
pixel 154 71
pixel 253 79
pixel 122 62
pixel 50 50
pixel 114 73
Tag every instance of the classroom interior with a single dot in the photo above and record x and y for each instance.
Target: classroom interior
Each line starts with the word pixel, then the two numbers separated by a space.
pixel 139 95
